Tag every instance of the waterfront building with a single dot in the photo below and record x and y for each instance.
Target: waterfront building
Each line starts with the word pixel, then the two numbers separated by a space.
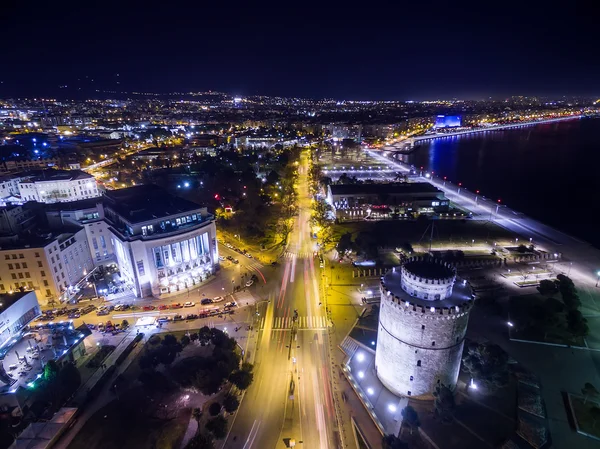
pixel 385 201
pixel 423 320
pixel 162 243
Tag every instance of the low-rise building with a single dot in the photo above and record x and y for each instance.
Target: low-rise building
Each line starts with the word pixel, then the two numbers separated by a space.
pixel 53 186
pixel 385 201
pixel 16 311
pixel 162 243
pixel 51 264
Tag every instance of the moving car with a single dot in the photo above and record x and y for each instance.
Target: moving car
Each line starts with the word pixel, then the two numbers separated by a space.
pixel 235 261
pixel 249 283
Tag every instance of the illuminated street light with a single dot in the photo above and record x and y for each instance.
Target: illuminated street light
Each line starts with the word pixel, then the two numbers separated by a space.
pixel 509 324
pixel 392 408
pixel 361 374
pixel 360 357
pixel 370 391
pixel 473 385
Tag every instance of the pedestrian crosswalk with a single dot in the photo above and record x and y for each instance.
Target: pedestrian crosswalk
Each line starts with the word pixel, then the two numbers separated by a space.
pixel 299 254
pixel 302 322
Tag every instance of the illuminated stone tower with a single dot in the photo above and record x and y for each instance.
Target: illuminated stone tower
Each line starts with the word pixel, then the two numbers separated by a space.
pixel 422 324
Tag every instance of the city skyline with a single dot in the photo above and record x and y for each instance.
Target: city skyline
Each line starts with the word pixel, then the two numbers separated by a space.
pixel 404 54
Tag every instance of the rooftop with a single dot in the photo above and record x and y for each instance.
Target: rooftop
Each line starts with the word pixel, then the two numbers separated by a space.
pixel 401 188
pixel 430 269
pixel 147 202
pixel 52 175
pixel 9 299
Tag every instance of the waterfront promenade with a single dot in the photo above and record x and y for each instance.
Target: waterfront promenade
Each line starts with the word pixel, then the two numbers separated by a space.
pixel 560 369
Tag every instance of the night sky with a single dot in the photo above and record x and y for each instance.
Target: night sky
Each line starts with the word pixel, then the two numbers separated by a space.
pixel 349 51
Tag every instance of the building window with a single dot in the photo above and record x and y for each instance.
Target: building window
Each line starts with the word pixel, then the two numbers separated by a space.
pixel 48 292
pixel 45 283
pixel 13 275
pixel 98 255
pixel 140 267
pixel 433 343
pixel 412 378
pixel 37 254
pixel 422 327
pixel 10 266
pixel 2 287
pixel 27 274
pixel 24 264
pixel 95 242
pixel 7 257
pixel 43 273
pixel 14 256
pixel 409 393
pixel 21 256
pixel 418 363
pixel 18 266
pixel 40 265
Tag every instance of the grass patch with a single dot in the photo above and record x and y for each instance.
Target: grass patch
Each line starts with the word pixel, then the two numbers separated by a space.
pixel 133 422
pixel 582 413
pixel 524 312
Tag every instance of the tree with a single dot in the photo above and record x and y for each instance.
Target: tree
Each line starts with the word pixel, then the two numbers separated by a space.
pixel 185 340
pixel 595 414
pixel 194 336
pixel 231 403
pixel 547 287
pixel 154 340
pixel 217 426
pixel 197 415
pixel 201 441
pixel 410 418
pixel 393 442
pixel 124 324
pixel 214 409
pixel 51 371
pixel 241 378
pixel 589 390
pixel 169 340
pixel 444 403
pixel 577 324
pixel 487 364
pixel 345 244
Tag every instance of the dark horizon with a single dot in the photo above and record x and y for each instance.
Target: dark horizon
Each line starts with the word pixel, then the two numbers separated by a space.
pixel 392 53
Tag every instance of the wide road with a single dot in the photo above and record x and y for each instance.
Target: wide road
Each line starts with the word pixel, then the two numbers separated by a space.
pixel 291 394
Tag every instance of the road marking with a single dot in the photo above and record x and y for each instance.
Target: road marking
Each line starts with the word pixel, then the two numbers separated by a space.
pixel 293 270
pixel 251 437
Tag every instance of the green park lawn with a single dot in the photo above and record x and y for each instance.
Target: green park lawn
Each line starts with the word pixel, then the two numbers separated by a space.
pixel 133 422
pixel 522 312
pixel 581 410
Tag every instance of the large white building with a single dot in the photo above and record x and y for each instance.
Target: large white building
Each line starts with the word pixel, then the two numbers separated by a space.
pixel 162 243
pixel 423 320
pixel 50 264
pixel 16 311
pixel 48 186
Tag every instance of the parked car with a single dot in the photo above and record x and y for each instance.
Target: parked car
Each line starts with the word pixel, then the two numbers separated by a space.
pixel 235 261
pixel 163 307
pixel 230 258
pixel 149 307
pixel 248 255
pixel 191 316
pixel 221 258
pixel 217 299
pixel 164 319
pixel 249 283
pixel 176 305
pixel 206 301
pixel 230 304
pixel 189 304
pixel 178 318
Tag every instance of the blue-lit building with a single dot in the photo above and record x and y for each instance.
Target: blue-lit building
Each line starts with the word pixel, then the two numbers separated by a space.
pixel 447 121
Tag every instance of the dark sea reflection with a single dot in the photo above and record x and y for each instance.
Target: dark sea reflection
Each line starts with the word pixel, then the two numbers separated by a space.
pixel 548 171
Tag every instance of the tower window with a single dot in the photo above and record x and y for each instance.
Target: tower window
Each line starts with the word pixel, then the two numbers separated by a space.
pixel 409 393
pixel 422 327
pixel 433 343
pixel 411 378
pixel 418 363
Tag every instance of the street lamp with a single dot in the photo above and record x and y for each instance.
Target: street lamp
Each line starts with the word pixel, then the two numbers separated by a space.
pixel 598 279
pixel 459 186
pixel 476 195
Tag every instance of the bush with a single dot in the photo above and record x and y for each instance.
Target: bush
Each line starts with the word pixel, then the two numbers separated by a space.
pixel 214 409
pixel 231 403
pixel 241 378
pixel 217 426
pixel 185 340
pixel 154 340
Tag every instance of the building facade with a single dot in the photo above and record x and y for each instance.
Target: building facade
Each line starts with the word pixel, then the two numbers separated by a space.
pixel 352 202
pixel 54 186
pixel 16 311
pixel 423 320
pixel 162 243
pixel 52 265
